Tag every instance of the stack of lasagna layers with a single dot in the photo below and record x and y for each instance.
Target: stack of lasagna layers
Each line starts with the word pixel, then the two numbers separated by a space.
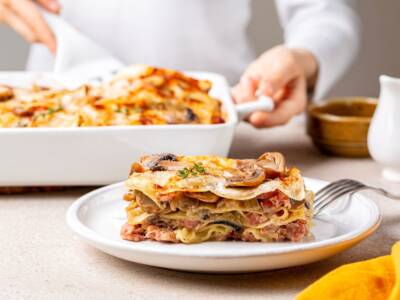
pixel 192 199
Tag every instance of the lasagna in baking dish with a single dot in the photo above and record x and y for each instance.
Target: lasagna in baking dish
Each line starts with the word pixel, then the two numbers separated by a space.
pixel 192 199
pixel 138 95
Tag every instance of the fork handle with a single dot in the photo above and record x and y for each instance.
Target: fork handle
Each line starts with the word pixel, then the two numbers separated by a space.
pixel 382 192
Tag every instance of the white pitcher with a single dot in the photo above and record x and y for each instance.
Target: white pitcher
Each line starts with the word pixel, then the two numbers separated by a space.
pixel 384 132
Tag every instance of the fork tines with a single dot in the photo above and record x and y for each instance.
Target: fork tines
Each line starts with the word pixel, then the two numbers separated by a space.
pixel 333 191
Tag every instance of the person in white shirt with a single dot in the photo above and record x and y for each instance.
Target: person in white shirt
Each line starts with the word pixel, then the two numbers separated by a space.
pixel 321 39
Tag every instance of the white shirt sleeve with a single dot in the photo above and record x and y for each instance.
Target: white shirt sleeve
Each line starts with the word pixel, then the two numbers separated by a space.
pixel 330 29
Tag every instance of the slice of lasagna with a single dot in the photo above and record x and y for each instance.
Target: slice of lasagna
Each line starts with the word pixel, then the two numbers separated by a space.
pixel 192 199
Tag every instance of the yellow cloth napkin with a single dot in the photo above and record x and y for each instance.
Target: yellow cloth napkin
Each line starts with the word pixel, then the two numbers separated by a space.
pixel 377 279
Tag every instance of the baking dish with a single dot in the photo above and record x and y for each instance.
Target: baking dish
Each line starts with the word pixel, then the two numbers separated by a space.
pixel 102 155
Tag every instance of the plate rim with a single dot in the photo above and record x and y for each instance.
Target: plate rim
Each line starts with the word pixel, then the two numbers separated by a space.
pixel 92 236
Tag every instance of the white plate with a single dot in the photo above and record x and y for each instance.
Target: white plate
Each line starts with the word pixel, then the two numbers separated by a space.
pixel 97 218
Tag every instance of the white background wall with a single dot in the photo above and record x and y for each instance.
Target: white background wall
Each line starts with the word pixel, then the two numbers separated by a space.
pixel 380 51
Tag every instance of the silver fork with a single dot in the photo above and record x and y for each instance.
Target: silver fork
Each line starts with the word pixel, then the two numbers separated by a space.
pixel 336 189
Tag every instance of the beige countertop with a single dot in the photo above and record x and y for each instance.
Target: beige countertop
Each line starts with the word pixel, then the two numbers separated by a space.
pixel 40 258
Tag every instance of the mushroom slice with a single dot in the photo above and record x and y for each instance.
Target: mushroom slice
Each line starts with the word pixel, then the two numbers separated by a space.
pixel 152 162
pixel 203 196
pixel 234 226
pixel 6 93
pixel 296 203
pixel 273 164
pixel 247 174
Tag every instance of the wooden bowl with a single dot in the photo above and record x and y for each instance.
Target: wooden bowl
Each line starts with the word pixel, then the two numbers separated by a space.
pixel 340 125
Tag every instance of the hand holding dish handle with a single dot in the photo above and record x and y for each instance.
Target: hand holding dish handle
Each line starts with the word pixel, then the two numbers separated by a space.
pixel 263 103
pixel 285 74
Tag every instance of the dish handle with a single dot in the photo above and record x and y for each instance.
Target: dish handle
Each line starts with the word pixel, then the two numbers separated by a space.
pixel 263 103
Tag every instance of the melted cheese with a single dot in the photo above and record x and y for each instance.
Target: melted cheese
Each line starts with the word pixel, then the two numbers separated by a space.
pixel 164 182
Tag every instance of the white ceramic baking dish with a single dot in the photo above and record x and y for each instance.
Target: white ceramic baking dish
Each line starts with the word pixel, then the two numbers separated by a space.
pixel 102 155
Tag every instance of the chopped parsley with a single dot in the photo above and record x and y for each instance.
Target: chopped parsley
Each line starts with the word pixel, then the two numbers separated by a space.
pixel 41 114
pixel 52 110
pixel 195 170
pixel 123 110
pixel 184 173
pixel 199 168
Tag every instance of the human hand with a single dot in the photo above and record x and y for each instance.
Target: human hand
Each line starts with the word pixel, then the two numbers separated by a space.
pixel 25 18
pixel 283 74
